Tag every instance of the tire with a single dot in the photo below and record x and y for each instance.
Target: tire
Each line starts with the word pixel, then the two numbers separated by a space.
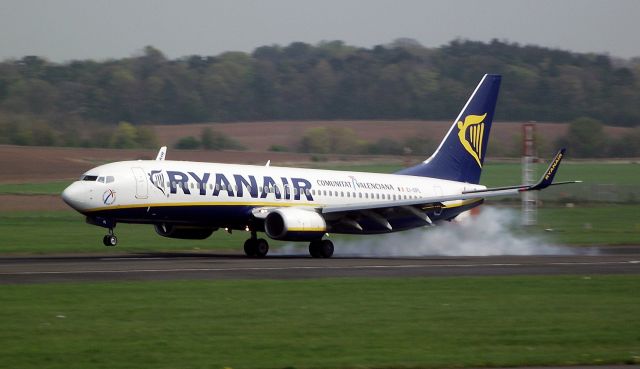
pixel 326 249
pixel 110 240
pixel 262 248
pixel 250 247
pixel 314 248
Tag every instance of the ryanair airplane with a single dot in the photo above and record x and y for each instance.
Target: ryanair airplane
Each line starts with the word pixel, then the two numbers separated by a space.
pixel 191 200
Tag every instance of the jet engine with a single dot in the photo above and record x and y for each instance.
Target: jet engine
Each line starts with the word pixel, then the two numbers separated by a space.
pixel 294 224
pixel 183 232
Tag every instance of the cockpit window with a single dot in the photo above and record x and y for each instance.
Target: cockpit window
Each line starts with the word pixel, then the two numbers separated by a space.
pixel 110 179
pixel 88 178
pixel 101 179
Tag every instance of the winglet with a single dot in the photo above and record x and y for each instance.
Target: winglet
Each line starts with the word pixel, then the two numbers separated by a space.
pixel 550 173
pixel 162 153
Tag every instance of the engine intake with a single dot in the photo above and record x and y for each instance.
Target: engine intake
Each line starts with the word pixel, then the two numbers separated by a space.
pixel 292 224
pixel 183 232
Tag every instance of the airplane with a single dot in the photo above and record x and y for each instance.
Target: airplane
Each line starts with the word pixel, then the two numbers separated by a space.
pixel 191 200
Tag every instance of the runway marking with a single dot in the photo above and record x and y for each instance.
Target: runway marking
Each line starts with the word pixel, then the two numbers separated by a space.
pixel 135 258
pixel 246 269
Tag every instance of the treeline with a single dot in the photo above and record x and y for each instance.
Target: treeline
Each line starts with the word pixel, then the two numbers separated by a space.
pixel 331 80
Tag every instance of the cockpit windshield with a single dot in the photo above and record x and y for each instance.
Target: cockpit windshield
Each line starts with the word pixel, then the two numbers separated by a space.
pixel 101 179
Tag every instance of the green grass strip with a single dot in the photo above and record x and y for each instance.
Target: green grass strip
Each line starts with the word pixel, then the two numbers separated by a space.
pixel 328 323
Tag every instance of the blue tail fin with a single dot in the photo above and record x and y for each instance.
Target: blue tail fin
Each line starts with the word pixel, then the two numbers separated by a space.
pixel 461 153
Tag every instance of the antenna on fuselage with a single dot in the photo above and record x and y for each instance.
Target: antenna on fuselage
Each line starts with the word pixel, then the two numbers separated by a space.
pixel 268 163
pixel 162 153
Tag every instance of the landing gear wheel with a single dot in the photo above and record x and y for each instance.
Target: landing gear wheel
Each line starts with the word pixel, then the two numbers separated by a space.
pixel 251 247
pixel 262 248
pixel 110 240
pixel 256 247
pixel 314 248
pixel 326 248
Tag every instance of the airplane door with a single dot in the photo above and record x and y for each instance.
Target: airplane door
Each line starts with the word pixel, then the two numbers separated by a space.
pixel 142 191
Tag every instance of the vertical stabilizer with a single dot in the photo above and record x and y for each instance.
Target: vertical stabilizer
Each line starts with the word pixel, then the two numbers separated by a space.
pixel 460 155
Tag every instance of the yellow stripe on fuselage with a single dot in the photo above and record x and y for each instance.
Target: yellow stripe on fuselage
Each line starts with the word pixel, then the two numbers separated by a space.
pixel 207 203
pixel 230 203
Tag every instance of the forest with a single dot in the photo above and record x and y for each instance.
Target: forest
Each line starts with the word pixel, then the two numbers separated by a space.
pixel 327 81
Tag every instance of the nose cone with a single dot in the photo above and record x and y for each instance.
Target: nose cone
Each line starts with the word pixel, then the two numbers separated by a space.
pixel 75 196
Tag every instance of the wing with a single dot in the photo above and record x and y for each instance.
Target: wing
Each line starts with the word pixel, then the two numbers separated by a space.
pixel 410 213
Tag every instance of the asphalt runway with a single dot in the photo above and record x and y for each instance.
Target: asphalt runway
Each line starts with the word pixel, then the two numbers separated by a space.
pixel 210 266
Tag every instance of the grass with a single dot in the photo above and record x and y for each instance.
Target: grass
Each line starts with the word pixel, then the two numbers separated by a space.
pixel 592 225
pixel 501 174
pixel 620 174
pixel 66 231
pixel 39 188
pixel 326 323
pixel 494 174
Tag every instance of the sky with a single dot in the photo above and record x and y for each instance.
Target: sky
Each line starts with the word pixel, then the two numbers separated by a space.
pixel 63 30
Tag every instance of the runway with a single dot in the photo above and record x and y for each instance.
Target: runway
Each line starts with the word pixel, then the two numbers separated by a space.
pixel 211 266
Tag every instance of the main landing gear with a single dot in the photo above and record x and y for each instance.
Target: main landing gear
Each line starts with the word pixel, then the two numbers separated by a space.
pixel 256 247
pixel 321 248
pixel 110 240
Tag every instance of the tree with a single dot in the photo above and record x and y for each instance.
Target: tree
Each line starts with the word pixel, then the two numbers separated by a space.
pixel 214 140
pixel 146 137
pixel 125 136
pixel 585 138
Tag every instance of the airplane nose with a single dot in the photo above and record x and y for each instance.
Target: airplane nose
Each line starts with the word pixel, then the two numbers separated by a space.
pixel 72 195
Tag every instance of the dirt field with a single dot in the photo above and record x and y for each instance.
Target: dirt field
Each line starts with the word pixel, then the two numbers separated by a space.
pixel 32 203
pixel 24 164
pixel 259 136
pixel 36 164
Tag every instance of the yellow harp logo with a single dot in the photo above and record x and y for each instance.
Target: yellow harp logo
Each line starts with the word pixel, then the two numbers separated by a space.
pixel 471 133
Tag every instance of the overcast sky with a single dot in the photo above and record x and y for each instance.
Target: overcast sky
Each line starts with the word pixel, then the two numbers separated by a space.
pixel 62 30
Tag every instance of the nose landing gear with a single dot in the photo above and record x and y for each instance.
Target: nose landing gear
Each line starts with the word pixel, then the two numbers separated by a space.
pixel 110 240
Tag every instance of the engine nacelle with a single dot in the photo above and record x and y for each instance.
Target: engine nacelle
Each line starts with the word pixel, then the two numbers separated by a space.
pixel 183 232
pixel 292 224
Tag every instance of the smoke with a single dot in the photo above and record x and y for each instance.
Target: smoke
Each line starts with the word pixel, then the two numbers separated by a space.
pixel 492 232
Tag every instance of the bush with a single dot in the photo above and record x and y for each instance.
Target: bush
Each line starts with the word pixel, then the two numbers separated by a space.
pixel 214 140
pixel 188 143
pixel 278 148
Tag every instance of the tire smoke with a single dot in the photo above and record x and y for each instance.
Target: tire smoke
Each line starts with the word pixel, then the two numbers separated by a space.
pixel 494 231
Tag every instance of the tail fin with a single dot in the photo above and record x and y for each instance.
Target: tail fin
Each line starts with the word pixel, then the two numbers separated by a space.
pixel 461 153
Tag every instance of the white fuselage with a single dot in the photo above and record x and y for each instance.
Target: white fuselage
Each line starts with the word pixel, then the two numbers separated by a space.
pixel 152 184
